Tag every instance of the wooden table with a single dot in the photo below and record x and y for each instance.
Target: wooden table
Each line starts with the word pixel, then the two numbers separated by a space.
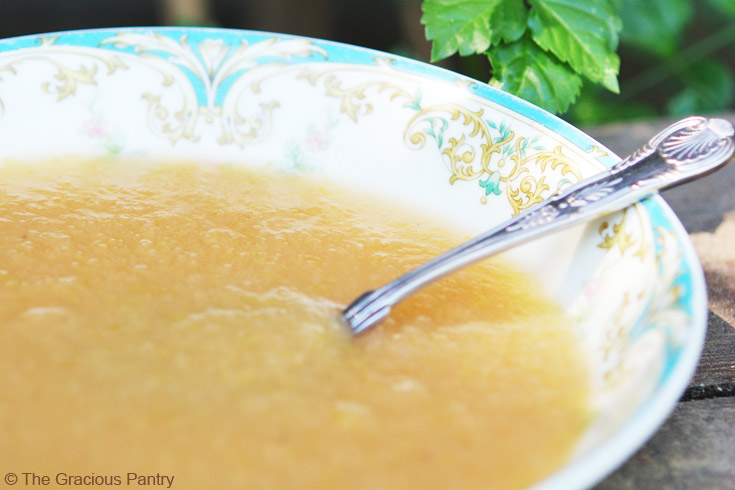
pixel 695 448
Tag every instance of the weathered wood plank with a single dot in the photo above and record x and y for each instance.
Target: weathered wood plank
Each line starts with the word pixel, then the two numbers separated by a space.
pixel 702 204
pixel 695 449
pixel 715 375
pixel 717 254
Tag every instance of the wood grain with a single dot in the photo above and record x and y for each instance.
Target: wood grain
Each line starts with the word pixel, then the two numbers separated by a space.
pixel 693 450
pixel 717 253
pixel 715 375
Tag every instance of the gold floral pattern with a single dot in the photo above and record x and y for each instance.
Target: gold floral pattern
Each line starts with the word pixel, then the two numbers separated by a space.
pixel 483 151
pixel 616 234
pixel 67 78
pixel 201 75
pixel 492 154
pixel 354 100
pixel 207 78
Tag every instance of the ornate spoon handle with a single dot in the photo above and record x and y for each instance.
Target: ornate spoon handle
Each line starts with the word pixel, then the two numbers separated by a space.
pixel 685 150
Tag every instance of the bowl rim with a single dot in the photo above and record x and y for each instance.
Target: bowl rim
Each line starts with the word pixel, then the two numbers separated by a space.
pixel 587 469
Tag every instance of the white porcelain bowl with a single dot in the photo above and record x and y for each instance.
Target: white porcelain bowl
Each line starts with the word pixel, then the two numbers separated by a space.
pixel 453 146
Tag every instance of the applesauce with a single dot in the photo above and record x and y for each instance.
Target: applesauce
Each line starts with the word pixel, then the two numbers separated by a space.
pixel 182 320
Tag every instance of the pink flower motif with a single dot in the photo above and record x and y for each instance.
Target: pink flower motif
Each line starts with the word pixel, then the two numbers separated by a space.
pixel 592 288
pixel 317 140
pixel 94 128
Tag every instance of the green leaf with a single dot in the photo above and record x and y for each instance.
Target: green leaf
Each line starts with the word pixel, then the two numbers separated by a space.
pixel 458 25
pixel 710 88
pixel 525 70
pixel 508 21
pixel 655 26
pixel 472 26
pixel 725 7
pixel 583 33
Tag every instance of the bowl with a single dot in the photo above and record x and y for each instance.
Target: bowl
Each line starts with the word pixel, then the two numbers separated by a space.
pixel 411 132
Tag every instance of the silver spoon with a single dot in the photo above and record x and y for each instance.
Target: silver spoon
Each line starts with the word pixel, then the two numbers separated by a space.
pixel 685 150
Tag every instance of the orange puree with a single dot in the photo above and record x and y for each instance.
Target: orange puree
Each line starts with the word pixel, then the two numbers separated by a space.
pixel 181 320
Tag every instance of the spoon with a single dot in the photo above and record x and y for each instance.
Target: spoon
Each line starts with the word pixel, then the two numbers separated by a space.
pixel 688 149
